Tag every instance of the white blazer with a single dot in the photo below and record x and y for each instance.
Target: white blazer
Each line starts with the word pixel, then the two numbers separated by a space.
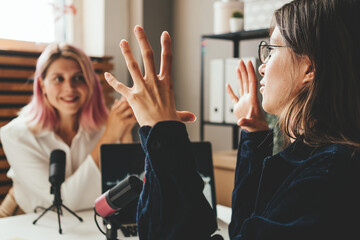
pixel 28 155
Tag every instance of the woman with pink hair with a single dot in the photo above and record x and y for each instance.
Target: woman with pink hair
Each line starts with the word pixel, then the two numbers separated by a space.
pixel 67 112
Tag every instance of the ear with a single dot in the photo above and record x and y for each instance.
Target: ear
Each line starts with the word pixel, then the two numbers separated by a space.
pixel 308 71
pixel 41 83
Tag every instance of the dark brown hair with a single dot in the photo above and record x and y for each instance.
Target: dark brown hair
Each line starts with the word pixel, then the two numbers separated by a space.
pixel 326 110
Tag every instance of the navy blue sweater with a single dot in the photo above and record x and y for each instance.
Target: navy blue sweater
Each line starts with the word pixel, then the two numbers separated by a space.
pixel 300 193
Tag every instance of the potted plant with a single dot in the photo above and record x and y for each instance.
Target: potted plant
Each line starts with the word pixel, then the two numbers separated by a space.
pixel 237 21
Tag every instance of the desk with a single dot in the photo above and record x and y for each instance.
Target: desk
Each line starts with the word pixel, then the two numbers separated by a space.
pixel 21 227
pixel 224 173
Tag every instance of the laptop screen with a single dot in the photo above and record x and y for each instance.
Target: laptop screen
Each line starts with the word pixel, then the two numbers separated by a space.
pixel 121 160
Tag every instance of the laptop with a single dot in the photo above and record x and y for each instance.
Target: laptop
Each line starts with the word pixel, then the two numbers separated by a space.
pixel 119 161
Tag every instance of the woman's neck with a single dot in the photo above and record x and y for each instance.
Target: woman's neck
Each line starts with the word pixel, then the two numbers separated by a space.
pixel 67 128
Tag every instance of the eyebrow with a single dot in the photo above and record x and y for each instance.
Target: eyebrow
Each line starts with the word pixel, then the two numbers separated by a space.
pixel 61 73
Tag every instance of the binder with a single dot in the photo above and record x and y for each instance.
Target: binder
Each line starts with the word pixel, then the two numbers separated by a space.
pixel 217 89
pixel 231 65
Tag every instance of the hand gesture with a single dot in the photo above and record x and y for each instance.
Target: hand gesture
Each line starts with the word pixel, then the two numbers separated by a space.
pixel 247 108
pixel 120 121
pixel 152 96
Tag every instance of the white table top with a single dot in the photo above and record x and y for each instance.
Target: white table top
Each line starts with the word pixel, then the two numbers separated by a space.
pixel 21 227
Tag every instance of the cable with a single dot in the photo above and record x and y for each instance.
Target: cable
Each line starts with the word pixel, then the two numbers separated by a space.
pixel 97 224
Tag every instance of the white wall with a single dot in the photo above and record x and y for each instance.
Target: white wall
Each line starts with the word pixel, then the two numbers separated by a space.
pixel 98 27
pixel 135 18
pixel 189 20
pixel 116 27
pixel 94 27
pixel 189 24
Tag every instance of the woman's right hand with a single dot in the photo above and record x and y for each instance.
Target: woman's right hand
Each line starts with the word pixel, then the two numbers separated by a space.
pixel 120 121
pixel 247 108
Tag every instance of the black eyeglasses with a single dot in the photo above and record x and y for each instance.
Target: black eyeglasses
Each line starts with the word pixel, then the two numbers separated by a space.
pixel 265 51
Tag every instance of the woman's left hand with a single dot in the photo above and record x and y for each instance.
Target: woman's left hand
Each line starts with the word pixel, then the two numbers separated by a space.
pixel 247 107
pixel 152 96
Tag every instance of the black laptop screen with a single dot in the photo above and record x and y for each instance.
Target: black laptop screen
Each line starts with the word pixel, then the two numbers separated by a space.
pixel 121 160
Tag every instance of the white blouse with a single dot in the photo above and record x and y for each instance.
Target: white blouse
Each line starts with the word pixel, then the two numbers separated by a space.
pixel 28 155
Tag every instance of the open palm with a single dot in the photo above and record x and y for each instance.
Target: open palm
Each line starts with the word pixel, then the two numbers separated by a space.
pixel 151 97
pixel 247 108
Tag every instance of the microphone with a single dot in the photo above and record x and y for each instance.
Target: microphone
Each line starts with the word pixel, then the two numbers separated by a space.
pixel 118 197
pixel 57 167
pixel 56 178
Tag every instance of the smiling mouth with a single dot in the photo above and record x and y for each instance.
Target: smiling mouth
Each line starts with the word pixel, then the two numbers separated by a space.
pixel 70 99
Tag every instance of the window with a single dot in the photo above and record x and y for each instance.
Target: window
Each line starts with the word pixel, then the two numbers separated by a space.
pixel 32 20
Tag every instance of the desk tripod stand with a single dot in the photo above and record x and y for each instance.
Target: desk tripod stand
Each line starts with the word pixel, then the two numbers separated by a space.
pixel 111 229
pixel 57 203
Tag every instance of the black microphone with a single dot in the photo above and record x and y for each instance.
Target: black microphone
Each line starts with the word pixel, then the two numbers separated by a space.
pixel 56 178
pixel 119 196
pixel 57 167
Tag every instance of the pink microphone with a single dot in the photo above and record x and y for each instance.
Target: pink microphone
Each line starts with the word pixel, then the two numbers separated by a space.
pixel 118 197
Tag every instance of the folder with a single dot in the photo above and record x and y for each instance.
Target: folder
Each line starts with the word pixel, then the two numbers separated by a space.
pixel 217 89
pixel 231 65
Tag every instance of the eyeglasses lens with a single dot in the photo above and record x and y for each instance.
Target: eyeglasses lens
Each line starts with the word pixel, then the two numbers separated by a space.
pixel 264 52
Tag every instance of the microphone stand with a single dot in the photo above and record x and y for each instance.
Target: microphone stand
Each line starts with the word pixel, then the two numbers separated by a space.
pixel 111 225
pixel 57 203
pixel 111 228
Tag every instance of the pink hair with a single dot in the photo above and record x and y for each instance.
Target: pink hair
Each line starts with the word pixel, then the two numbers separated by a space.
pixel 41 115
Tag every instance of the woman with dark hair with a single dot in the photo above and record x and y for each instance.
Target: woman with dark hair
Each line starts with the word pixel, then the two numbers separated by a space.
pixel 67 112
pixel 307 191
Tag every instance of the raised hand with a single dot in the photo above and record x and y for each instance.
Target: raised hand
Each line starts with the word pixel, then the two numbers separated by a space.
pixel 151 97
pixel 247 108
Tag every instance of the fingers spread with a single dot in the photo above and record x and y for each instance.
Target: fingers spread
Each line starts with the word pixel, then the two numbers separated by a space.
pixel 240 81
pixel 116 85
pixel 131 63
pixel 146 51
pixel 166 55
pixel 231 93
pixel 252 78
pixel 244 76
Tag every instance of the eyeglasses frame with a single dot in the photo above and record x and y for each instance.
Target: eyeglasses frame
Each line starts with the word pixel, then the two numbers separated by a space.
pixel 265 45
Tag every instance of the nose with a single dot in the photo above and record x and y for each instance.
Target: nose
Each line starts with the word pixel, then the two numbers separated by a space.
pixel 261 69
pixel 69 84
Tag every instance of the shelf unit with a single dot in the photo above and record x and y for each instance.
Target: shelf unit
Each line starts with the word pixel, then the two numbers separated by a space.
pixel 235 38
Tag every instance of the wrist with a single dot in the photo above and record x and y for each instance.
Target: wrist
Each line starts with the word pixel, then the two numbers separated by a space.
pixel 153 122
pixel 256 129
pixel 109 137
